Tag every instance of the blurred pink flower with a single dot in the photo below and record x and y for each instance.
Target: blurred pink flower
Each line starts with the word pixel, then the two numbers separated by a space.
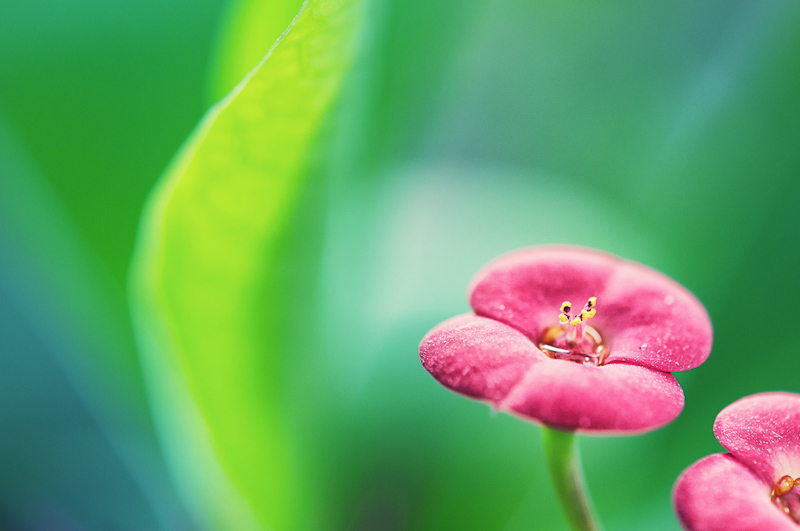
pixel 757 485
pixel 528 351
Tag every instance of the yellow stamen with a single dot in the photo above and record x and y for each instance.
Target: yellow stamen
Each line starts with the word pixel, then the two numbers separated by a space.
pixel 783 486
pixel 566 306
pixel 590 313
pixel 576 321
pixel 591 302
pixel 563 318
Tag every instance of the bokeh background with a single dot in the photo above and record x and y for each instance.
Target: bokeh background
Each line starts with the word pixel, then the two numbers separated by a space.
pixel 385 152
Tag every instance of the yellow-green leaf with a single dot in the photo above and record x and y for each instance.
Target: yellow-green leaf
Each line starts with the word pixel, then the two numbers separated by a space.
pixel 212 353
pixel 249 28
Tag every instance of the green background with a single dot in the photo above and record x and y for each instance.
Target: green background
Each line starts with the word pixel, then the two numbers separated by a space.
pixel 385 152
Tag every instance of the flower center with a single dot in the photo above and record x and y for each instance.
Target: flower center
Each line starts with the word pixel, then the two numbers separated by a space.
pixel 574 340
pixel 786 497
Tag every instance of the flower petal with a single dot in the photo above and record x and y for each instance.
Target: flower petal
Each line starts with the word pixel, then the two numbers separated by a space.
pixel 763 431
pixel 653 321
pixel 645 317
pixel 616 398
pixel 526 288
pixel 719 493
pixel 488 360
pixel 478 357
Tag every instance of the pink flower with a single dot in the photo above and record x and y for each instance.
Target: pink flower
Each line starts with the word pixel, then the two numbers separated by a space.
pixel 604 369
pixel 757 485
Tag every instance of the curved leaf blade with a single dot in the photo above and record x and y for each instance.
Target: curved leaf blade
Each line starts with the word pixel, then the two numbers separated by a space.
pixel 211 351
pixel 249 28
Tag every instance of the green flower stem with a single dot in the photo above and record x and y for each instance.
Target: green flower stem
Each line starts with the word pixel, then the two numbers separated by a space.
pixel 565 469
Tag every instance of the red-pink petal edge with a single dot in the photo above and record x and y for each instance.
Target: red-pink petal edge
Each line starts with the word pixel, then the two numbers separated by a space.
pixel 719 493
pixel 645 317
pixel 763 431
pixel 488 360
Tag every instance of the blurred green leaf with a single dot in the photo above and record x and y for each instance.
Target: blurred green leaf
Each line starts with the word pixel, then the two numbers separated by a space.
pixel 70 369
pixel 102 94
pixel 249 28
pixel 35 227
pixel 204 267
